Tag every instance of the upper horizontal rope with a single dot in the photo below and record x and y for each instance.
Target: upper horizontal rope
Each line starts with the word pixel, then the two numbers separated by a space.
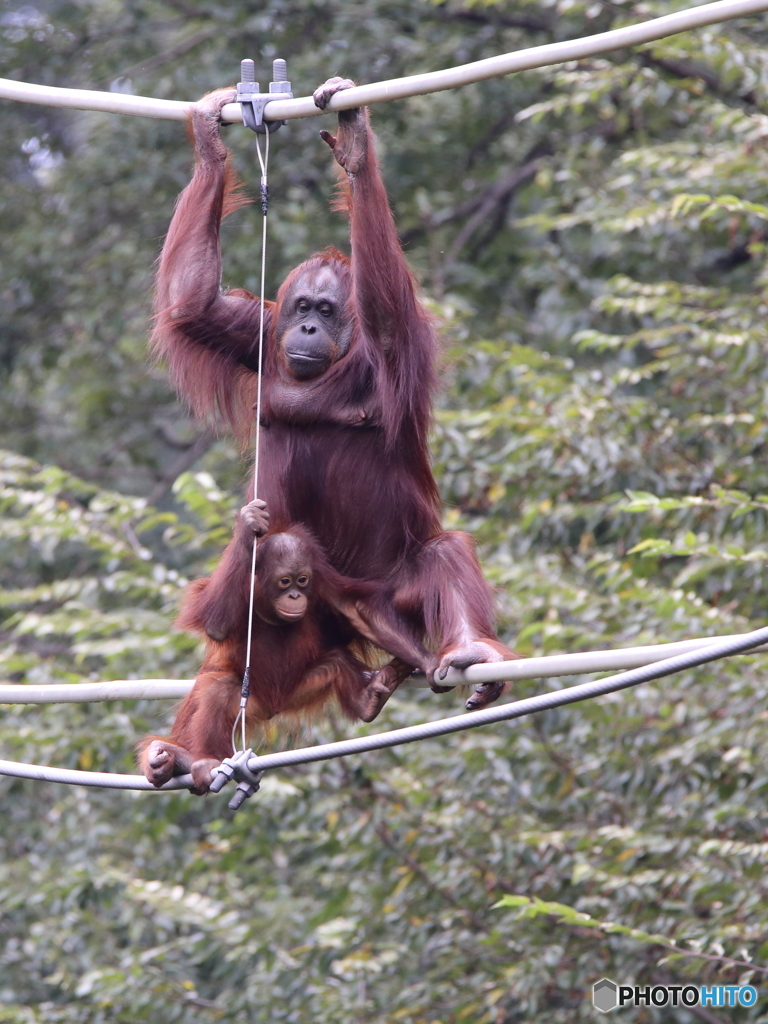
pixel 514 671
pixel 401 88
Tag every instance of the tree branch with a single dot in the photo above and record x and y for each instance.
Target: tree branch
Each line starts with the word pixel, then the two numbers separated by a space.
pixel 387 837
pixel 179 465
pixel 477 17
pixel 500 192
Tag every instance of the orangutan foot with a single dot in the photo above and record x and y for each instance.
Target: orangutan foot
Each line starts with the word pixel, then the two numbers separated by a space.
pixel 383 684
pixel 201 774
pixel 477 652
pixel 484 695
pixel 158 763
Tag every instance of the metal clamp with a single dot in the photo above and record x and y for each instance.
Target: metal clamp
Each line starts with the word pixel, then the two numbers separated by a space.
pixel 237 767
pixel 252 101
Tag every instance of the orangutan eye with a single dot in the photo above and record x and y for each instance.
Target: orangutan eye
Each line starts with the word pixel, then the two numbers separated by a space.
pixel 303 306
pixel 326 309
pixel 303 581
pixel 285 581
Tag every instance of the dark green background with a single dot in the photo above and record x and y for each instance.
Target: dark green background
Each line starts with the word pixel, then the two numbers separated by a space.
pixel 602 336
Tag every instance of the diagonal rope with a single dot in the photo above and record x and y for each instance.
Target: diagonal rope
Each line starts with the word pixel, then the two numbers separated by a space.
pixel 246 686
pixel 516 709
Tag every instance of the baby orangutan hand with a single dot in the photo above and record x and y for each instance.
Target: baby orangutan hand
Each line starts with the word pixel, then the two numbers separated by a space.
pixel 255 516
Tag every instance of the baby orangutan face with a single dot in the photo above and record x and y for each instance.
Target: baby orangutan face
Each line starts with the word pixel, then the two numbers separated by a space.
pixel 291 601
pixel 285 570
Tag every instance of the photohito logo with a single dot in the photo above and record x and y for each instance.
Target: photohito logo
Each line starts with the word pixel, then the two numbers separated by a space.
pixel 607 995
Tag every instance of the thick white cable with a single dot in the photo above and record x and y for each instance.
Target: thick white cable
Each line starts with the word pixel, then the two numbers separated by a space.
pixel 427 730
pixel 527 668
pixel 400 88
pixel 505 712
pixel 99 780
pixel 85 693
pixel 246 688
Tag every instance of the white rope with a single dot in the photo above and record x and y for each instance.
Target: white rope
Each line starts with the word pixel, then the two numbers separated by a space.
pixel 99 780
pixel 84 693
pixel 549 667
pixel 246 687
pixel 517 709
pixel 723 648
pixel 400 88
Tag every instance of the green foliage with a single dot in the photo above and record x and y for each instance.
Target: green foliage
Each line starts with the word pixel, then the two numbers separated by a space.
pixel 91 578
pixel 530 908
pixel 593 237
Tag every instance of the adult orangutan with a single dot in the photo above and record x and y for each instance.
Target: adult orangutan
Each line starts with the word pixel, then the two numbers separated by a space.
pixel 348 375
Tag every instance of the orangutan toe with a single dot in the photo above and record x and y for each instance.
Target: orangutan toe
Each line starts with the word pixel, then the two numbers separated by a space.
pixel 377 693
pixel 484 695
pixel 474 653
pixel 323 93
pixel 439 689
pixel 201 774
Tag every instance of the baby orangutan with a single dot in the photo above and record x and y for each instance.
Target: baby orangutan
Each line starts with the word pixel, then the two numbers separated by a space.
pixel 305 617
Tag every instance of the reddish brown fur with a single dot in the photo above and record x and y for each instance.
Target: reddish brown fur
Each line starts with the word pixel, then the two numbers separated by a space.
pixel 345 453
pixel 296 667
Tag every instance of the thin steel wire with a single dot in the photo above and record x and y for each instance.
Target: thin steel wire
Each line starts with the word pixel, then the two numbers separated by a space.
pixel 246 687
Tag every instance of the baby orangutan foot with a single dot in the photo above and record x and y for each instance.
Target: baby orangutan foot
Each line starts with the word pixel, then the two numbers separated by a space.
pixel 160 760
pixel 158 763
pixel 377 693
pixel 201 774
pixel 381 687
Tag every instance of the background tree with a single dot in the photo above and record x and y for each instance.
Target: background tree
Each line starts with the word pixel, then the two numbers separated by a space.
pixel 594 238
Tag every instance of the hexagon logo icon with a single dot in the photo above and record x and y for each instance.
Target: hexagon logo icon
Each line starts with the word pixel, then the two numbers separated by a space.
pixel 605 995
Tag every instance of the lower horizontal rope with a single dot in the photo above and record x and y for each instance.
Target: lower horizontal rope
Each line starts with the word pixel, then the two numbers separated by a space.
pixel 517 709
pixel 99 780
pixel 427 730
